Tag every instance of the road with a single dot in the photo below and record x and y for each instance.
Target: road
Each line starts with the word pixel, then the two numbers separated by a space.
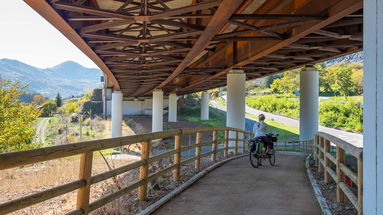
pixel 353 138
pixel 40 130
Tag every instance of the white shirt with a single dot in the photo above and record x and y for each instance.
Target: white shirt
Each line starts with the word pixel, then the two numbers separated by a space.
pixel 260 128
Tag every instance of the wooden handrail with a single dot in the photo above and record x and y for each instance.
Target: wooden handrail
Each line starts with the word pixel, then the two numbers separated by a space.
pixel 86 150
pixel 324 160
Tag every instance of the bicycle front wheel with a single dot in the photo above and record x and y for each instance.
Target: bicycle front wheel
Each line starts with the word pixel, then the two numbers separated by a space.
pixel 272 157
pixel 253 158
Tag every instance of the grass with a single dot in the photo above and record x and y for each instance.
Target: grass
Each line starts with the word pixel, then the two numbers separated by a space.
pixel 285 132
pixel 217 118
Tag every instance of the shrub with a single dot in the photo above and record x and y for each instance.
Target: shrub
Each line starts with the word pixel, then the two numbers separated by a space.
pixel 72 107
pixel 333 113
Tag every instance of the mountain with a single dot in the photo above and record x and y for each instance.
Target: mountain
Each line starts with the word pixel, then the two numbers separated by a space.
pixel 68 78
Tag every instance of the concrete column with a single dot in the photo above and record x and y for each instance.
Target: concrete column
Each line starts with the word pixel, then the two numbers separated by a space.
pixel 172 107
pixel 158 110
pixel 205 106
pixel 373 107
pixel 116 114
pixel 309 93
pixel 235 115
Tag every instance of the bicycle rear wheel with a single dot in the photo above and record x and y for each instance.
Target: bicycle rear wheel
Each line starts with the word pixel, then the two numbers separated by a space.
pixel 254 158
pixel 272 157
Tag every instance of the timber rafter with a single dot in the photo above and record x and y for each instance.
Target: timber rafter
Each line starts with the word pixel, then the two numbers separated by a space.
pixel 185 46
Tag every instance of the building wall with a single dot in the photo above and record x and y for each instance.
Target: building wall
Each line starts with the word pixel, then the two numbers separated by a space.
pixel 136 106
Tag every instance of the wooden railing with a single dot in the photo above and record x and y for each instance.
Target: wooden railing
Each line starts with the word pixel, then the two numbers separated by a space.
pixel 305 146
pixel 86 149
pixel 325 162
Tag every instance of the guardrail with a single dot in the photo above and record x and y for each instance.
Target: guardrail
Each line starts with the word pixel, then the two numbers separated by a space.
pixel 86 150
pixel 324 160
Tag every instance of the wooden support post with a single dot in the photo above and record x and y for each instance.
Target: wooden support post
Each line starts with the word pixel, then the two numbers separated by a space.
pixel 236 143
pixel 177 158
pixel 320 166
pixel 85 174
pixel 339 159
pixel 214 146
pixel 144 170
pixel 327 161
pixel 360 184
pixel 316 145
pixel 197 163
pixel 226 152
pixel 243 142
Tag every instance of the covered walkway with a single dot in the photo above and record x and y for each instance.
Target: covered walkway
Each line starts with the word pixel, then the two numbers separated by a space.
pixel 238 188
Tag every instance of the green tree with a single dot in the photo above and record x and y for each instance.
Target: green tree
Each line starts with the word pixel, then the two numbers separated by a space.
pixel 59 100
pixel 338 77
pixel 357 77
pixel 48 108
pixel 17 119
pixel 289 83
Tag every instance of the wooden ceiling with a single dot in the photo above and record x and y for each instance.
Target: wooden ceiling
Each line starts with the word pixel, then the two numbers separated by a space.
pixel 187 46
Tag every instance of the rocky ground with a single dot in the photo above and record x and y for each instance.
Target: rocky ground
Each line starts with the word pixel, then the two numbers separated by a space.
pixel 329 193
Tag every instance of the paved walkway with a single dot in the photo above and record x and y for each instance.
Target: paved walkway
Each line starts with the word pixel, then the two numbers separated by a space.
pixel 353 138
pixel 238 188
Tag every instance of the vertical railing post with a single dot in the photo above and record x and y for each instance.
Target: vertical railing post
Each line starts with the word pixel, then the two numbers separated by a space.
pixel 326 161
pixel 85 174
pixel 226 144
pixel 316 147
pixel 144 170
pixel 320 166
pixel 177 158
pixel 340 175
pixel 360 184
pixel 214 146
pixel 243 142
pixel 197 163
pixel 236 143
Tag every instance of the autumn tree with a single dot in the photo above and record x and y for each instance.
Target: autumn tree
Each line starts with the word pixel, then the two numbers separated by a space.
pixel 17 119
pixel 38 99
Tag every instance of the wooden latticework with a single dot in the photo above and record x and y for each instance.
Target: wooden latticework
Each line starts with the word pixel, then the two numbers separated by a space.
pixel 186 46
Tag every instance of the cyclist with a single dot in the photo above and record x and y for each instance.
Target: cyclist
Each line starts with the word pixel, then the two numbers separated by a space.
pixel 260 130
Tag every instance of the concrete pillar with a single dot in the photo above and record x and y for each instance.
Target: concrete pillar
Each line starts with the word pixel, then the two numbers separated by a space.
pixel 172 107
pixel 309 93
pixel 373 108
pixel 235 115
pixel 116 114
pixel 158 110
pixel 205 106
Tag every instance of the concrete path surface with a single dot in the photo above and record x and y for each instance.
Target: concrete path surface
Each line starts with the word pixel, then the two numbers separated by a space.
pixel 238 188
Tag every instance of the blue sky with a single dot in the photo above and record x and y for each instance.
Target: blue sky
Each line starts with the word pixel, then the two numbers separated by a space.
pixel 27 37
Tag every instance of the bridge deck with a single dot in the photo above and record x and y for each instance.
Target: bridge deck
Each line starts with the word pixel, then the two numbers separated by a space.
pixel 238 188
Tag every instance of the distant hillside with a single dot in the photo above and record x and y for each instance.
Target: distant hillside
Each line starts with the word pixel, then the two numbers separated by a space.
pixel 352 58
pixel 68 78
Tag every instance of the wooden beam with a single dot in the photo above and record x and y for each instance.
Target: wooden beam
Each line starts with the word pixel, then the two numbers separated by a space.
pixel 277 16
pixel 336 12
pixel 223 13
pixel 186 9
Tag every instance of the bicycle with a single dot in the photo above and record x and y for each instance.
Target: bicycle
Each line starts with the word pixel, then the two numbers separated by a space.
pixel 258 152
